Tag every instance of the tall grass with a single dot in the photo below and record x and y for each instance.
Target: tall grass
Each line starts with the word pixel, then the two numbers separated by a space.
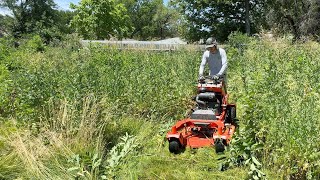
pixel 277 90
pixel 142 84
pixel 73 107
pixel 46 150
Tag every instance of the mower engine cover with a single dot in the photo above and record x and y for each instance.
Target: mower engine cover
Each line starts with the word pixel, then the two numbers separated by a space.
pixel 204 114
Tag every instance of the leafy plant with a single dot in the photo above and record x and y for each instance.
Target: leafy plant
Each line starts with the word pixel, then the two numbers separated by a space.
pixel 84 169
pixel 118 153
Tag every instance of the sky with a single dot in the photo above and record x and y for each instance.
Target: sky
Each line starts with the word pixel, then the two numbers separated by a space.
pixel 62 4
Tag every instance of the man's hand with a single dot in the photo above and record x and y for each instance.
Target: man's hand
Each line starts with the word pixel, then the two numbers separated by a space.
pixel 201 78
pixel 215 77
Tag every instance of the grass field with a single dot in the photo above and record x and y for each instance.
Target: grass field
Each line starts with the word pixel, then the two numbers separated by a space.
pixel 68 112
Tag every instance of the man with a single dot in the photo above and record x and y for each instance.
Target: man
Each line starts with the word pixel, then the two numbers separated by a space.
pixel 216 59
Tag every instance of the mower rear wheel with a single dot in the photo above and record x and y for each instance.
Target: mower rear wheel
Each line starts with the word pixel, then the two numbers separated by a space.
pixel 231 115
pixel 219 146
pixel 174 146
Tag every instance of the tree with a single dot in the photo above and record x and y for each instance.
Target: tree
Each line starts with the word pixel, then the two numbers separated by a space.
pixel 301 18
pixel 5 25
pixel 151 19
pixel 219 18
pixel 30 16
pixel 142 14
pixel 165 21
pixel 63 21
pixel 247 16
pixel 100 19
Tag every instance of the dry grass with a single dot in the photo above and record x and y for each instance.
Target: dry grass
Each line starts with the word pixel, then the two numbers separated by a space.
pixel 44 150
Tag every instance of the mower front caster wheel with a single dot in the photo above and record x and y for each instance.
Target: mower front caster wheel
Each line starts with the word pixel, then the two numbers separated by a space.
pixel 219 146
pixel 174 147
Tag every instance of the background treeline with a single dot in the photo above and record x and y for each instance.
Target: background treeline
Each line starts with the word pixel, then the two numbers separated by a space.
pixel 152 19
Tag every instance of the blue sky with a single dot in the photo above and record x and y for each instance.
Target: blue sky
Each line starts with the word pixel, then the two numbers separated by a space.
pixel 62 4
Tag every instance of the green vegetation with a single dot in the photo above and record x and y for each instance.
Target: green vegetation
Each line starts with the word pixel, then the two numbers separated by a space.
pixel 96 24
pixel 220 18
pixel 63 108
pixel 35 17
pixel 277 90
pixel 97 113
pixel 73 112
pixel 139 19
pixel 153 19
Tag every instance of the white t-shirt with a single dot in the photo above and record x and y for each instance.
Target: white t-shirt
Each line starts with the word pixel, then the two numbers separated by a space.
pixel 217 62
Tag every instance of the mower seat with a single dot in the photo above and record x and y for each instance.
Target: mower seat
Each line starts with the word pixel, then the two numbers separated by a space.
pixel 207 100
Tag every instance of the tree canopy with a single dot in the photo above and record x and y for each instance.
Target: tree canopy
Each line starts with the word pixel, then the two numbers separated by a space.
pixel 220 18
pixel 152 19
pixel 100 19
pixel 30 16
pixel 301 18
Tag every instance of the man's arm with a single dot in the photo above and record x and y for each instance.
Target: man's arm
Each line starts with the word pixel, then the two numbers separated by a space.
pixel 203 63
pixel 223 61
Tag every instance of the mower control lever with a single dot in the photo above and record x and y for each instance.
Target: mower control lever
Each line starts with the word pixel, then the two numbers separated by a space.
pixel 206 79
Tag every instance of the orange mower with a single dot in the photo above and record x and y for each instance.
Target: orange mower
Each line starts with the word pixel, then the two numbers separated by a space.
pixel 212 122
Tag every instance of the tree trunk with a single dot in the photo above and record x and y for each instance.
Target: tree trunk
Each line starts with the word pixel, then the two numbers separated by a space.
pixel 247 17
pixel 294 27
